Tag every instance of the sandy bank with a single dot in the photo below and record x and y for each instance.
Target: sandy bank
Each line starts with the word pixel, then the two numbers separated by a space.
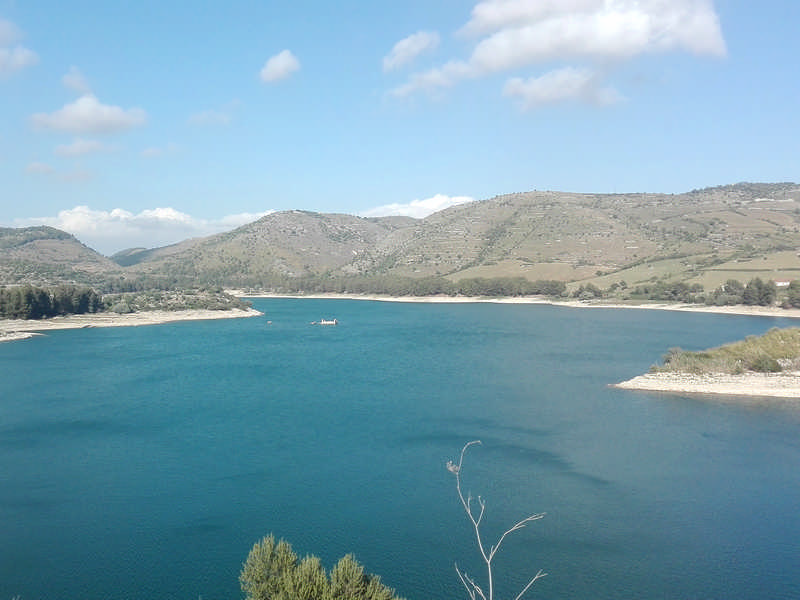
pixel 11 336
pixel 778 385
pixel 20 329
pixel 755 311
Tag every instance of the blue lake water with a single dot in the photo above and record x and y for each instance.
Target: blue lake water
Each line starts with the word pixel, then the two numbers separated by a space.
pixel 145 462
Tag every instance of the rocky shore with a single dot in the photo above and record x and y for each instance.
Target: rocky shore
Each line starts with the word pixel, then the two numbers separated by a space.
pixel 777 385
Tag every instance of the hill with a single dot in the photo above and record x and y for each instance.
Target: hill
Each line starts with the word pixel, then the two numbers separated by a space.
pixel 702 237
pixel 542 235
pixel 47 256
pixel 290 244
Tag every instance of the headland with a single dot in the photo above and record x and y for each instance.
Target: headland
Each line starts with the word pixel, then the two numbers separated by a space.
pixel 16 329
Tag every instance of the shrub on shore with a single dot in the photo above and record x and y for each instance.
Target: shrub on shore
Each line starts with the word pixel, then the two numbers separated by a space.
pixel 775 351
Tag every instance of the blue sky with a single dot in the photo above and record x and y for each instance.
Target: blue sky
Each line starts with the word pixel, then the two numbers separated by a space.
pixel 141 124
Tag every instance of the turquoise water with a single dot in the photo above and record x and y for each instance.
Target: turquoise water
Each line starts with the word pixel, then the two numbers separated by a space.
pixel 145 462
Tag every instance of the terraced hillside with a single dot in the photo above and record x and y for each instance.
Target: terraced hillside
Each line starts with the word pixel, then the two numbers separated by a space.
pixel 705 236
pixel 575 237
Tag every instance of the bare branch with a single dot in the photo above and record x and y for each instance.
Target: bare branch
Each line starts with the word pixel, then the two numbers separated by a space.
pixel 519 525
pixel 538 576
pixel 473 589
pixel 482 502
pixel 470 590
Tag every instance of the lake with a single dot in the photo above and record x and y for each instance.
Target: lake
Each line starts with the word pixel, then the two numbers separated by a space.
pixel 145 462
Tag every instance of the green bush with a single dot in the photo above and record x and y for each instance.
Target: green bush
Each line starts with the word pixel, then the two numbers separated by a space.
pixel 764 364
pixel 272 571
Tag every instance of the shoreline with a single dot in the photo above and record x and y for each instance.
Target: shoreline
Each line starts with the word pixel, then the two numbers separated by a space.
pixel 765 385
pixel 19 329
pixel 737 310
pixel 774 385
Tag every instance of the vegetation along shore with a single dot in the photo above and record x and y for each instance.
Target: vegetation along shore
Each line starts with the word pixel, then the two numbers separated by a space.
pixel 767 365
pixel 27 309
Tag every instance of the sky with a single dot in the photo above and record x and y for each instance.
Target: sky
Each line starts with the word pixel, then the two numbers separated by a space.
pixel 145 123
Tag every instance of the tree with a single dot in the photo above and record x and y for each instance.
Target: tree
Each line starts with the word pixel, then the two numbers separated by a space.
pixel 734 287
pixel 759 292
pixel 265 575
pixel 767 293
pixel 587 292
pixel 272 572
pixel 752 292
pixel 473 589
pixel 793 293
pixel 348 582
pixel 308 580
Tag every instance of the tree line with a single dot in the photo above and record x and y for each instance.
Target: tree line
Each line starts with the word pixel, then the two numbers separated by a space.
pixel 30 302
pixel 755 292
pixel 417 286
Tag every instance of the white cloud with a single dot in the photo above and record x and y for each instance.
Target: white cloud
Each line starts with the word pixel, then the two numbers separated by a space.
pixel 16 57
pixel 88 115
pixel 559 85
pixel 434 79
pixel 406 50
pixel 418 209
pixel 279 67
pixel 493 15
pixel 523 33
pixel 75 81
pixel 80 147
pixel 111 231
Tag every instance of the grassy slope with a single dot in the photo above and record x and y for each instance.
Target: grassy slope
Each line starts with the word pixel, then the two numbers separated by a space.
pixel 775 351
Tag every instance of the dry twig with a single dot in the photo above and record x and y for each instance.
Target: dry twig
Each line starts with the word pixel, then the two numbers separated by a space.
pixel 473 589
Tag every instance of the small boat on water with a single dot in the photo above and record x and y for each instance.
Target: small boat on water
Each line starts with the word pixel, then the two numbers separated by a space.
pixel 325 322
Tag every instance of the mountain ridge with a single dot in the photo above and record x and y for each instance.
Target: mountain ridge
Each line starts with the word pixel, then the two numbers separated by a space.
pixel 571 237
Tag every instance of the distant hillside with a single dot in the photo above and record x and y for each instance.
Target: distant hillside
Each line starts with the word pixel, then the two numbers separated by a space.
pixel 572 237
pixel 703 237
pixel 48 256
pixel 290 244
pixel 134 256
